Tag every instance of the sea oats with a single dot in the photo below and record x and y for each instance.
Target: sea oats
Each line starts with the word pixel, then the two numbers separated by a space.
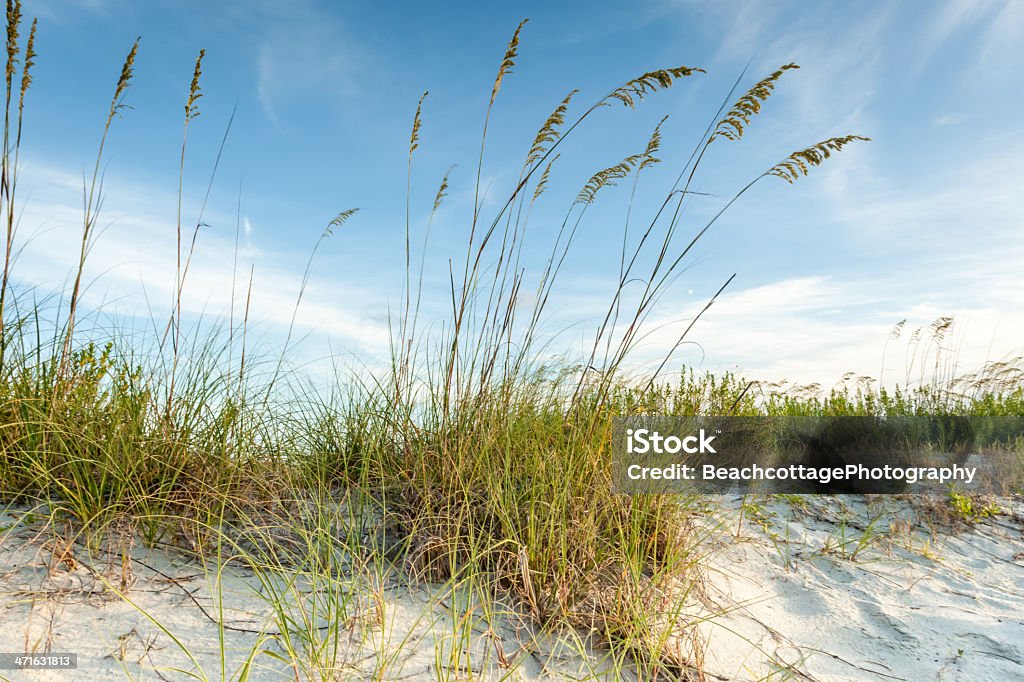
pixel 194 93
pixel 549 132
pixel 607 178
pixel 414 136
pixel 543 182
pixel 731 127
pixel 127 71
pixel 511 52
pixel 338 221
pixel 653 145
pixel 13 32
pixel 26 74
pixel 799 163
pixel 442 190
pixel 638 88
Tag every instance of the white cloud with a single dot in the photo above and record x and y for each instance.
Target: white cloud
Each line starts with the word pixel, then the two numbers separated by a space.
pixel 133 262
pixel 816 329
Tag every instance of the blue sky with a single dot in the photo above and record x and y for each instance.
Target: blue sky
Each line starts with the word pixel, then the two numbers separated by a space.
pixel 923 221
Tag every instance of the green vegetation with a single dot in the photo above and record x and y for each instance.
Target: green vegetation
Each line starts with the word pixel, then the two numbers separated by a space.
pixel 480 466
pixel 970 508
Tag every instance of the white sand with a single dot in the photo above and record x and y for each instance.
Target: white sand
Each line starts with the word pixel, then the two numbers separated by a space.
pixel 914 603
pixel 786 597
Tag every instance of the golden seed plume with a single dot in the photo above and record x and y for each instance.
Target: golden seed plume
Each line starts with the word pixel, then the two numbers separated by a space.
pixel 338 221
pixel 30 60
pixel 194 93
pixel 13 27
pixel 442 191
pixel 511 52
pixel 940 326
pixel 414 138
pixel 800 163
pixel 127 70
pixel 549 133
pixel 635 90
pixel 543 182
pixel 653 145
pixel 898 329
pixel 606 178
pixel 735 122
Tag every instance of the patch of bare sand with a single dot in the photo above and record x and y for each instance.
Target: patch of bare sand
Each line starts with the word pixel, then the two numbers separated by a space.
pixel 850 588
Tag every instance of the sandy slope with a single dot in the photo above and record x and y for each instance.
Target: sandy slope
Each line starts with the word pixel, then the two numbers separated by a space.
pixel 840 589
pixel 813 588
pixel 58 600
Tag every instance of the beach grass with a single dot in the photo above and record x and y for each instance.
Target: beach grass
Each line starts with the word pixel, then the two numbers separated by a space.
pixel 467 463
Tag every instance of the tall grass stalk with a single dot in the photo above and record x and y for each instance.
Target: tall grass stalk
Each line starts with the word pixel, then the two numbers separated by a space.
pixel 9 165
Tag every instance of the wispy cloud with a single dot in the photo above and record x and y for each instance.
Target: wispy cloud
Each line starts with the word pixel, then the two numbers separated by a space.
pixel 305 53
pixel 1002 39
pixel 950 18
pixel 971 203
pixel 949 119
pixel 133 262
pixel 995 31
pixel 247 227
pixel 741 26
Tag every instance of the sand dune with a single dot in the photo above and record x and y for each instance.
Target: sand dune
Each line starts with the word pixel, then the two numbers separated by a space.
pixel 809 588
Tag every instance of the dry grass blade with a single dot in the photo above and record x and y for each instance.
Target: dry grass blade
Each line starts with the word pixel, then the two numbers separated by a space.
pixel 511 52
pixel 800 163
pixel 735 122
pixel 638 88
